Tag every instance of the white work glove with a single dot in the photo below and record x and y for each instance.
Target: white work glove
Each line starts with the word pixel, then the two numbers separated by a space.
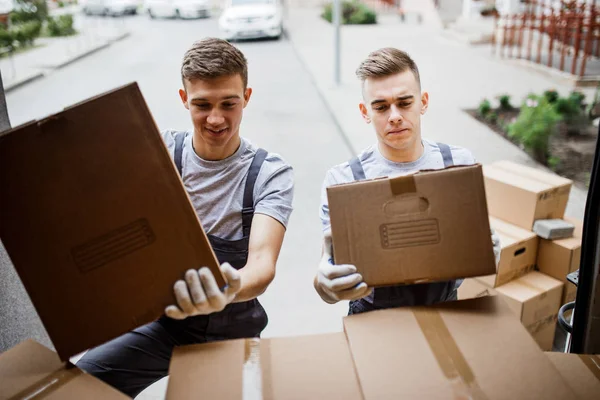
pixel 199 294
pixel 496 244
pixel 339 282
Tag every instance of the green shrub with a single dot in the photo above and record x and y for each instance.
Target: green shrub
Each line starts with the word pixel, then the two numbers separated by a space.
pixel 492 117
pixel 553 163
pixel 26 33
pixel 505 102
pixel 61 26
pixel 353 13
pixel 29 10
pixel 535 125
pixel 551 95
pixel 484 107
pixel 7 38
pixel 577 97
pixel 567 107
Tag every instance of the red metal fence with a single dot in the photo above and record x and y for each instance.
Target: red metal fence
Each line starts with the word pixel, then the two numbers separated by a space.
pixel 550 32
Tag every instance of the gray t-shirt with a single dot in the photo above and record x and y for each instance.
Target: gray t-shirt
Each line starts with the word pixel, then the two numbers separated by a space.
pixel 376 165
pixel 216 188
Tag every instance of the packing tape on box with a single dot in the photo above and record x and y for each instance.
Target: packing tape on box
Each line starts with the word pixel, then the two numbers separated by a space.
pixel 403 184
pixel 252 382
pixel 49 384
pixel 593 364
pixel 448 355
pixel 528 285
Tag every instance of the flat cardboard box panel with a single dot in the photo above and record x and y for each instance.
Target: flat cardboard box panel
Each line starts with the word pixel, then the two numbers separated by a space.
pixel 96 219
pixel 581 372
pixel 30 370
pixel 471 289
pixel 534 298
pixel 520 194
pixel 558 258
pixel 304 367
pixel 473 348
pixel 429 226
pixel 545 332
pixel 518 254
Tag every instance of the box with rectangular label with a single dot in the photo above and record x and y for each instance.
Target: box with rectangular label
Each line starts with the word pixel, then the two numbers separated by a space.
pixel 518 254
pixel 580 371
pixel 558 258
pixel 520 195
pixel 32 371
pixel 96 220
pixel 535 299
pixel 424 227
pixel 303 367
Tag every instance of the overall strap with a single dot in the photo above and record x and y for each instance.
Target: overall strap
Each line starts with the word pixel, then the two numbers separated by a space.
pixel 357 169
pixel 248 204
pixel 446 155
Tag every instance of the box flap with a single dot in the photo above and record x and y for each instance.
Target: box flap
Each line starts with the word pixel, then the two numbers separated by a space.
pixel 110 237
pixel 581 372
pixel 30 370
pixel 464 349
pixel 516 180
pixel 529 286
pixel 533 173
pixel 511 232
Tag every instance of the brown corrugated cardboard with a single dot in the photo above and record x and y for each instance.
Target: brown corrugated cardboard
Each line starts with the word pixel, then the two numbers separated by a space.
pixel 518 254
pixel 96 220
pixel 558 258
pixel 535 299
pixel 581 372
pixel 429 226
pixel 32 371
pixel 519 194
pixel 471 289
pixel 465 349
pixel 306 367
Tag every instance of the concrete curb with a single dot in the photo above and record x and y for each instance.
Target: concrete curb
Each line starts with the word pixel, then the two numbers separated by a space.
pixel 23 82
pixel 12 86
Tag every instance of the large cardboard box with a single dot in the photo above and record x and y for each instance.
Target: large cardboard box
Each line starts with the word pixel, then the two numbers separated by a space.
pixel 96 219
pixel 471 288
pixel 558 258
pixel 518 254
pixel 581 372
pixel 32 371
pixel 466 349
pixel 428 226
pixel 520 195
pixel 304 367
pixel 535 299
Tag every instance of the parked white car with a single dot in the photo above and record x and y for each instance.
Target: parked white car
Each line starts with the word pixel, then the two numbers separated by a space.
pixel 178 8
pixel 110 7
pixel 251 19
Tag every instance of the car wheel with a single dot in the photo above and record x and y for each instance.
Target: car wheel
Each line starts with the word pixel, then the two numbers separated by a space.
pixel 177 14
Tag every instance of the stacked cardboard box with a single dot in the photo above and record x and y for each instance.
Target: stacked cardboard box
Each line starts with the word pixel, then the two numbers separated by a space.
pixel 517 196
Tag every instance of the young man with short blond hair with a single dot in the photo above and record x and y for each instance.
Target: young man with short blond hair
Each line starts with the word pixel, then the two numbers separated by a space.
pixel 243 197
pixel 393 103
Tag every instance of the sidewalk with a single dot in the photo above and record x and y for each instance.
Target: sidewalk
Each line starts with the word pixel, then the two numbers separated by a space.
pixel 455 75
pixel 53 53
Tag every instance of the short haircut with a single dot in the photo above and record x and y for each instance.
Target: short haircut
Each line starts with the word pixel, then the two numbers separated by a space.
pixel 213 58
pixel 385 62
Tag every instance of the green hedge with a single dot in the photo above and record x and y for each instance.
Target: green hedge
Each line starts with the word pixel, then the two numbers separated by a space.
pixel 61 26
pixel 353 13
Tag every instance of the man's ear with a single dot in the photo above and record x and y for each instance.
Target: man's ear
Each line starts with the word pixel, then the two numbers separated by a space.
pixel 184 98
pixel 424 102
pixel 247 95
pixel 364 112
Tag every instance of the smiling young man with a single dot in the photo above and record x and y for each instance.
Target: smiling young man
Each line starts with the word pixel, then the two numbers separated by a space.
pixel 393 103
pixel 243 197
